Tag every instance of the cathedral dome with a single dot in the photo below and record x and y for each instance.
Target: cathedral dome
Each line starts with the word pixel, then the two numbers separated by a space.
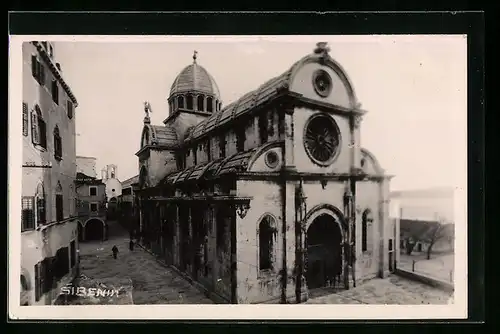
pixel 195 78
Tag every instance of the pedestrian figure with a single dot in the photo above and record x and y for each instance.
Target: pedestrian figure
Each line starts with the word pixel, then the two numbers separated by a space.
pixel 115 251
pixel 131 245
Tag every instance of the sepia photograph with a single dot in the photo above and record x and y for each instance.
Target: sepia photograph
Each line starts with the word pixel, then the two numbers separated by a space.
pixel 177 171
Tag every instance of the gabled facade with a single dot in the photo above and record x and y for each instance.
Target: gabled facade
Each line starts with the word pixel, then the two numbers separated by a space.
pixel 268 197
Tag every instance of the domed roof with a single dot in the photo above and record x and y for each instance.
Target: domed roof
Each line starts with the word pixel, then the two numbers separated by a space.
pixel 195 78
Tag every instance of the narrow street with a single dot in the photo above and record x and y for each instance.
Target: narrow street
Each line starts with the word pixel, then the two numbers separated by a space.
pixel 152 282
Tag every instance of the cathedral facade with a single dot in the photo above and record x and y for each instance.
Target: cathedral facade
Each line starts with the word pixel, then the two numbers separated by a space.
pixel 271 196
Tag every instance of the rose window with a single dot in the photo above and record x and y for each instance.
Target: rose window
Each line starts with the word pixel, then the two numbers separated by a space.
pixel 321 139
pixel 322 83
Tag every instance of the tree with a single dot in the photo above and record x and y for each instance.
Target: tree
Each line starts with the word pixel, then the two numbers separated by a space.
pixel 437 231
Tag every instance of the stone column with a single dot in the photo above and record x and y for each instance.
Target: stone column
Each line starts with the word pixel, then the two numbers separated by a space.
pixel 384 224
pixel 288 161
pixel 397 239
pixel 195 102
pixel 177 241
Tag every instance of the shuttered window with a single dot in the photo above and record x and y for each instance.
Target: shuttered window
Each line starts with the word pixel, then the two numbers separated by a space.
pixel 28 213
pixel 73 253
pixel 25 119
pixel 55 91
pixel 37 70
pixel 35 131
pixel 40 210
pixel 38 281
pixel 59 207
pixel 57 144
pixel 70 109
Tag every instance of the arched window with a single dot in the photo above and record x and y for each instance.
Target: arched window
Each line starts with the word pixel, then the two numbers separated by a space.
pixel 201 99
pixel 189 102
pixel 267 236
pixel 180 101
pixel 38 128
pixel 57 144
pixel 59 202
pixel 366 220
pixel 40 205
pixel 210 104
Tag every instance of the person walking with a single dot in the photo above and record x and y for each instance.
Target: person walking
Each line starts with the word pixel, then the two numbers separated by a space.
pixel 115 252
pixel 131 244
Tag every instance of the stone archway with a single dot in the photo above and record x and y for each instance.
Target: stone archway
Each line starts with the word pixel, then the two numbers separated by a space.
pixel 95 230
pixel 324 250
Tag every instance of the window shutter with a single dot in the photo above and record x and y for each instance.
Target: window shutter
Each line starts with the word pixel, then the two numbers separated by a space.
pixel 34 67
pixel 38 286
pixel 28 216
pixel 25 119
pixel 42 74
pixel 35 135
pixel 40 207
pixel 42 133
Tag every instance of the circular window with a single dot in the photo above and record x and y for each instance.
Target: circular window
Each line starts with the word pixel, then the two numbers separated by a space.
pixel 272 159
pixel 322 83
pixel 321 139
pixel 112 190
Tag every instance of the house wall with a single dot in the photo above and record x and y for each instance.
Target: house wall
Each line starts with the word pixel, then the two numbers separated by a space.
pixel 254 286
pixel 63 171
pixel 368 197
pixel 37 245
pixel 83 193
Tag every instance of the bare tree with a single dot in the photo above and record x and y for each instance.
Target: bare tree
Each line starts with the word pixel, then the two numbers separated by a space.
pixel 436 232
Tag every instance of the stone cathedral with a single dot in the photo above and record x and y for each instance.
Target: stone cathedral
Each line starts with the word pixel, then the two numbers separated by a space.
pixel 270 197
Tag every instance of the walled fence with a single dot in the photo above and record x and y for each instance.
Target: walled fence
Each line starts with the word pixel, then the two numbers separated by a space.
pixel 426 279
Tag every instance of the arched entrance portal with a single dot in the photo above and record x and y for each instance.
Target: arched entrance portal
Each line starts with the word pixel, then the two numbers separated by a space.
pixel 94 230
pixel 324 252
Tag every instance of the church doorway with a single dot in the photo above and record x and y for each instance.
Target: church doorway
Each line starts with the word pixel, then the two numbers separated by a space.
pixel 324 252
pixel 94 230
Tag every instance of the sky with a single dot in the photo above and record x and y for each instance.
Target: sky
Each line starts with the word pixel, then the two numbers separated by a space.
pixel 413 87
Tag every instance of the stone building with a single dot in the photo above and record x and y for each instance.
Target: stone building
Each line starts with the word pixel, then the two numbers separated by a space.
pixel 86 165
pixel 127 204
pixel 271 196
pixel 49 257
pixel 109 176
pixel 91 208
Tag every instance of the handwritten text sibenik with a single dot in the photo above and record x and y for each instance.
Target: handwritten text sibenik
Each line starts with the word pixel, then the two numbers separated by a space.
pixel 82 291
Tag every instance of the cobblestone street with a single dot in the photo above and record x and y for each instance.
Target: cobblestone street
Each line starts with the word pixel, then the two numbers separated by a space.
pixel 392 290
pixel 152 282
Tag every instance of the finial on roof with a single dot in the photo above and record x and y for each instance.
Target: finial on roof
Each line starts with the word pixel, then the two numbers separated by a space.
pixel 195 53
pixel 322 48
pixel 147 110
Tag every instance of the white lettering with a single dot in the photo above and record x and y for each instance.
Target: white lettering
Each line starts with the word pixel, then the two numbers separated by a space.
pixel 80 291
pixel 65 290
pixel 91 292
